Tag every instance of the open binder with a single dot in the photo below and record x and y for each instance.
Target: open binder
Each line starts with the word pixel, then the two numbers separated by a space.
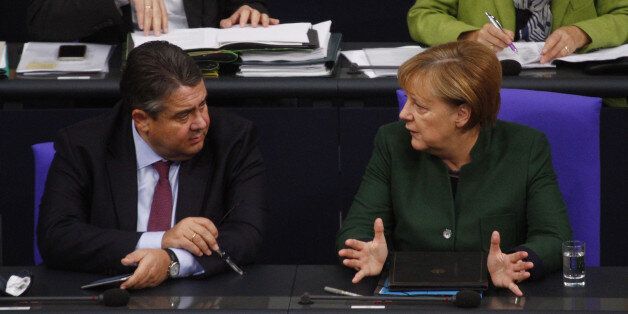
pixel 282 36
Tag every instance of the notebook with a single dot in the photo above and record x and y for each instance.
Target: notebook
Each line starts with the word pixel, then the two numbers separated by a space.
pixel 437 271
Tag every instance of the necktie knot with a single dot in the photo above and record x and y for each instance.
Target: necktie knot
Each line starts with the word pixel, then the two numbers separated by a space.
pixel 162 168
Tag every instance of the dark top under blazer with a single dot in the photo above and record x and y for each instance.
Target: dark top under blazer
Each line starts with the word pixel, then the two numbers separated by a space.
pixel 89 208
pixel 101 21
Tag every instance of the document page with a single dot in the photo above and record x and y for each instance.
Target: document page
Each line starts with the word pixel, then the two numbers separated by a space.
pixel 187 39
pixel 600 55
pixel 391 56
pixel 529 55
pixel 282 34
pixel 322 30
pixel 3 55
pixel 215 38
pixel 41 59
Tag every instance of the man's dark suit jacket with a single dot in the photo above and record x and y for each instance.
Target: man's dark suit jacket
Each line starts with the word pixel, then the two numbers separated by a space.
pixel 88 212
pixel 101 21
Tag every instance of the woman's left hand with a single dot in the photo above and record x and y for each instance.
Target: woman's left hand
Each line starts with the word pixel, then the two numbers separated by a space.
pixel 507 269
pixel 247 15
pixel 563 42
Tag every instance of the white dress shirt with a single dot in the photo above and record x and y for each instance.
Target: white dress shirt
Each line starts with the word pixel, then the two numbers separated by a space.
pixel 147 178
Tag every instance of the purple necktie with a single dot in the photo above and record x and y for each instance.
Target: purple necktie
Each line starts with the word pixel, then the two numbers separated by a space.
pixel 161 208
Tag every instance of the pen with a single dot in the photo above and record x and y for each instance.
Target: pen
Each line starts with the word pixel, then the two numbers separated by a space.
pixel 341 292
pixel 223 255
pixel 496 23
pixel 73 77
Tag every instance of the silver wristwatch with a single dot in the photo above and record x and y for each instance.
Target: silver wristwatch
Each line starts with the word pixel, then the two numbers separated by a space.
pixel 173 268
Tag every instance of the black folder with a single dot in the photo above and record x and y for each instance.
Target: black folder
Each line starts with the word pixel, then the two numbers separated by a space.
pixel 438 271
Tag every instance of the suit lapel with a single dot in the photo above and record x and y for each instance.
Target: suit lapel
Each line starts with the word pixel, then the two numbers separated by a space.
pixel 505 13
pixel 559 8
pixel 122 172
pixel 192 7
pixel 194 177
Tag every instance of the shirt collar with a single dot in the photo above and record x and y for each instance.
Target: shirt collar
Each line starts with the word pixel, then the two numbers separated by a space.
pixel 144 154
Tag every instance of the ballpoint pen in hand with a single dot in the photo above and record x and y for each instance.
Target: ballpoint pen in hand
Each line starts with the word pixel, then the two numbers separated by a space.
pixel 496 23
pixel 223 255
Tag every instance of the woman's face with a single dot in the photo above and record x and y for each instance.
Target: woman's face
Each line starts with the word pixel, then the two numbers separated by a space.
pixel 431 122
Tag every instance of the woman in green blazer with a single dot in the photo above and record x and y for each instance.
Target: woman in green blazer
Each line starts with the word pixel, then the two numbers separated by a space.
pixel 450 177
pixel 566 25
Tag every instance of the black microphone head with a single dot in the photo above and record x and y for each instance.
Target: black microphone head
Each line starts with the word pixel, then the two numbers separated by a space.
pixel 115 297
pixel 510 67
pixel 467 299
pixel 305 299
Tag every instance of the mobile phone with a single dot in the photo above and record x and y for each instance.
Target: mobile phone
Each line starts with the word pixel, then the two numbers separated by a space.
pixel 71 52
pixel 110 281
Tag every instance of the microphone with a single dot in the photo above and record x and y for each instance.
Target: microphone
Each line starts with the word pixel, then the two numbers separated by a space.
pixel 510 67
pixel 111 297
pixel 463 299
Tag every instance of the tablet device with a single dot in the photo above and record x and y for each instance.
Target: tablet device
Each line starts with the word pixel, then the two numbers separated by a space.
pixel 437 271
pixel 110 281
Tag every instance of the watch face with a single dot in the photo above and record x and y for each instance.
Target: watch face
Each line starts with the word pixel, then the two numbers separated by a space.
pixel 174 269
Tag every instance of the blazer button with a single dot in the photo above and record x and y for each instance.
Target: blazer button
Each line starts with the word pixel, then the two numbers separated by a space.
pixel 447 233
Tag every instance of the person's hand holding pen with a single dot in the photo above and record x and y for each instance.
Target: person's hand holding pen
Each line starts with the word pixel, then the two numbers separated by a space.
pixel 492 35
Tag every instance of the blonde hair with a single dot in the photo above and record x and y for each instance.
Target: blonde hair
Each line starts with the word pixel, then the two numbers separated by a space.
pixel 460 72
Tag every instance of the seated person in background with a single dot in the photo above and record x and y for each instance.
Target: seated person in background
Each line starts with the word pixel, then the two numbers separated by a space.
pixel 450 177
pixel 565 26
pixel 162 178
pixel 110 20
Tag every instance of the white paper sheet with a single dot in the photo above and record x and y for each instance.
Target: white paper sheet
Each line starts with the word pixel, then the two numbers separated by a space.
pixel 3 55
pixel 324 34
pixel 41 59
pixel 214 38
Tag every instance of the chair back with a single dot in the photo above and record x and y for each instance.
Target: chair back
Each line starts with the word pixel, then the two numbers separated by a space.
pixel 571 124
pixel 43 154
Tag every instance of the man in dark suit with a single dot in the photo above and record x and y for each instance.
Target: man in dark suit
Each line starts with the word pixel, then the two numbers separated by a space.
pixel 108 21
pixel 160 183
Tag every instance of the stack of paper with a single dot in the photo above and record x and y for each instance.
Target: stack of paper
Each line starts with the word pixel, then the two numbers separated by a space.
pixel 40 59
pixel 529 55
pixel 292 63
pixel 292 35
pixel 380 62
pixel 4 68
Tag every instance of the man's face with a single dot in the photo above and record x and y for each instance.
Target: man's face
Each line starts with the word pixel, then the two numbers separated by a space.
pixel 178 131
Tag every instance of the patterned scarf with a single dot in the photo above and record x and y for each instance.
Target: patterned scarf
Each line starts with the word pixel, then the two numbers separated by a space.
pixel 534 19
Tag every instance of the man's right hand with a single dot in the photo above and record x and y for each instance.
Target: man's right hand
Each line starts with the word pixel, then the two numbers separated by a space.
pixel 196 235
pixel 152 268
pixel 490 36
pixel 367 258
pixel 151 15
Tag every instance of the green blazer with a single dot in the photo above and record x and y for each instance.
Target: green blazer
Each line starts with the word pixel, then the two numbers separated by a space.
pixel 435 22
pixel 509 186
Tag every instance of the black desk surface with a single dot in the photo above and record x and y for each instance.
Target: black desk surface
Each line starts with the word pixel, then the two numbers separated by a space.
pixel 277 288
pixel 342 85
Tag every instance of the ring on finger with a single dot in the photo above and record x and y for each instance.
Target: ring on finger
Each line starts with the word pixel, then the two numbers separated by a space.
pixel 194 235
pixel 567 49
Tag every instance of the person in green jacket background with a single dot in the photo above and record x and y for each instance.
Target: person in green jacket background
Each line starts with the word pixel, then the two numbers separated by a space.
pixel 566 26
pixel 450 177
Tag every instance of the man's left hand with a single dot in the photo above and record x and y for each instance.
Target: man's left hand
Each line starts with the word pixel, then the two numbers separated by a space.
pixel 507 269
pixel 245 14
pixel 563 42
pixel 152 268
